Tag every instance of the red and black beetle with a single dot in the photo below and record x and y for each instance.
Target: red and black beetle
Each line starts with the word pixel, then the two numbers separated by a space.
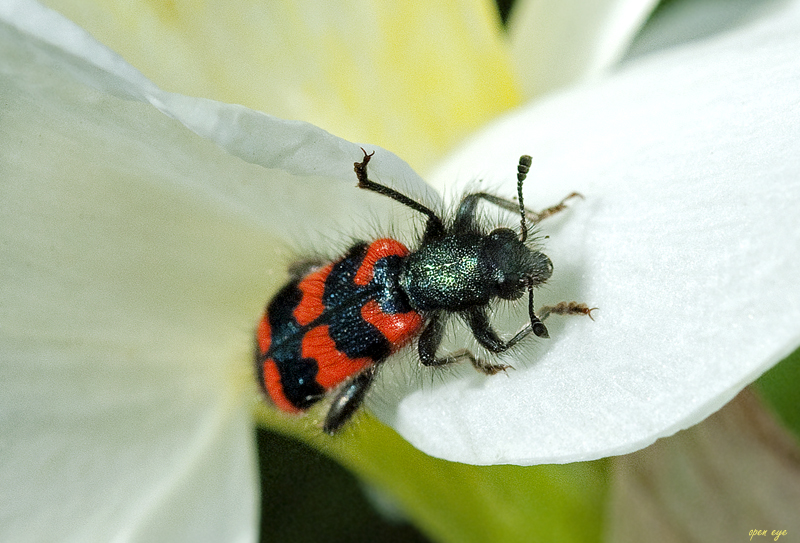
pixel 332 325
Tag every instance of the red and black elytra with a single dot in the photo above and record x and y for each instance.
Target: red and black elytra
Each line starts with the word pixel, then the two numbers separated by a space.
pixel 332 325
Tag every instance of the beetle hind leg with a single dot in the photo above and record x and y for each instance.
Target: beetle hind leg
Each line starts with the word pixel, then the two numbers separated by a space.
pixel 348 399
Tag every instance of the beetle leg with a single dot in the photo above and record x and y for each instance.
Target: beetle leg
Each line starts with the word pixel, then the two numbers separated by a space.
pixel 566 308
pixel 533 216
pixel 435 226
pixel 429 343
pixel 348 399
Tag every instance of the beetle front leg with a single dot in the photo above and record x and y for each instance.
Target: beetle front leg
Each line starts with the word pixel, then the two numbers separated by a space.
pixel 566 308
pixel 561 308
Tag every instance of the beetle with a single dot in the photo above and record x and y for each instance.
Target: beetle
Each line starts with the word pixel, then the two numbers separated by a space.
pixel 333 324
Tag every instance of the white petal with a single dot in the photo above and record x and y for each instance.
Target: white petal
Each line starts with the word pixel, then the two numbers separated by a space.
pixel 119 414
pixel 557 43
pixel 292 146
pixel 686 241
pixel 136 257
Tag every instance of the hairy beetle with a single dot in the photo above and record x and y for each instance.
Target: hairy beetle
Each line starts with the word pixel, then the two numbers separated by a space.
pixel 333 324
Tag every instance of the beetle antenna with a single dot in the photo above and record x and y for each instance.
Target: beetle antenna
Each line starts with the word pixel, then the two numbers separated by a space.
pixel 523 168
pixel 537 326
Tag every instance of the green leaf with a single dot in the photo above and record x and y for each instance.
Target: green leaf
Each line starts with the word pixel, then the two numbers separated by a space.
pixel 453 502
pixel 780 388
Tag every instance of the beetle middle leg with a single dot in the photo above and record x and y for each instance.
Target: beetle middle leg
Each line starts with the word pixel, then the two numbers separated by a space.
pixel 533 216
pixel 429 343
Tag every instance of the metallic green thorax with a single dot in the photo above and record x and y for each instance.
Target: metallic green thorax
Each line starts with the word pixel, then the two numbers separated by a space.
pixel 461 271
